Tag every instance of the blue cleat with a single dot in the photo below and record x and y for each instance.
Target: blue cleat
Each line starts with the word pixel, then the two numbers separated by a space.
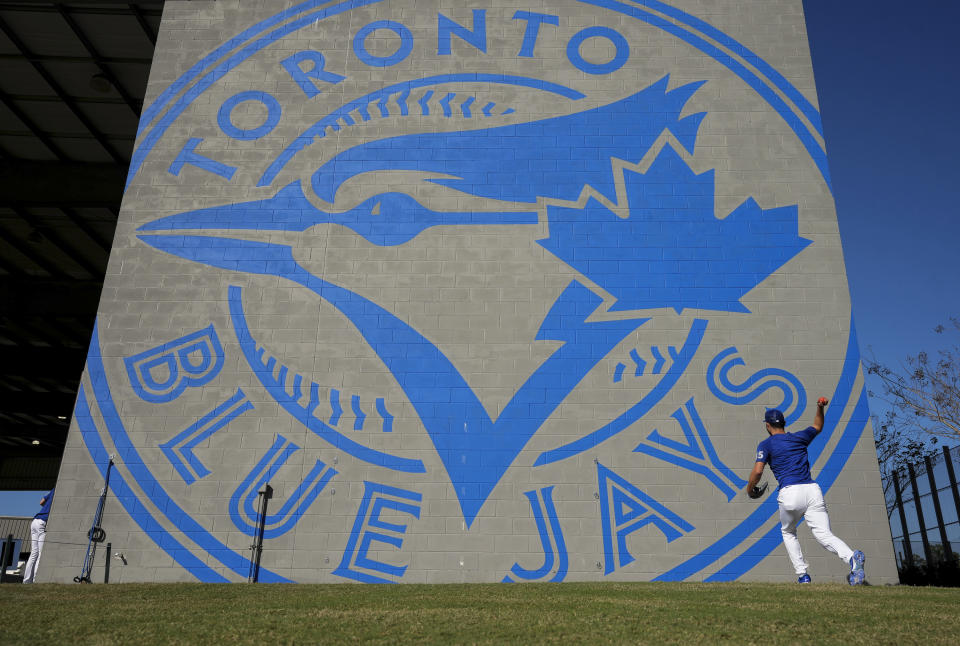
pixel 804 578
pixel 857 574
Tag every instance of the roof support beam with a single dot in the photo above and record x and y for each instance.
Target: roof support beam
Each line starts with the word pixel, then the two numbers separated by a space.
pixel 60 58
pixel 45 432
pixel 34 403
pixel 57 242
pixel 26 250
pixel 31 468
pixel 148 7
pixel 82 224
pixel 67 100
pixel 27 183
pixel 142 19
pixel 31 126
pixel 41 362
pixel 24 296
pixel 98 60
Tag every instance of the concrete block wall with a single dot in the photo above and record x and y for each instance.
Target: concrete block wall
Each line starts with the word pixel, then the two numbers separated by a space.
pixel 484 291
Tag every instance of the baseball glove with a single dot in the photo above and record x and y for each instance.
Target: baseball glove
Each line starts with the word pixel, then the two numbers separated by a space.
pixel 756 492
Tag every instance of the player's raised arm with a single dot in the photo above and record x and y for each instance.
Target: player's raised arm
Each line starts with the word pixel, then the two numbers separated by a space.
pixel 818 418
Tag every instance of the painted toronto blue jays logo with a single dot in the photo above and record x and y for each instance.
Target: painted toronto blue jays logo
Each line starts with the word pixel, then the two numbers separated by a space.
pixel 613 191
pixel 660 252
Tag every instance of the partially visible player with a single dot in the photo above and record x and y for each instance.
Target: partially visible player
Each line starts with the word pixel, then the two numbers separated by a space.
pixel 800 496
pixel 38 533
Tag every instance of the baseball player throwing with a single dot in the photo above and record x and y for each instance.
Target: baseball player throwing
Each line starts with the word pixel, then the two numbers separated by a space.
pixel 800 496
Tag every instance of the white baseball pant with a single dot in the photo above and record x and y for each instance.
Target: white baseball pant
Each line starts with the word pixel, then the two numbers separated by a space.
pixel 805 502
pixel 38 533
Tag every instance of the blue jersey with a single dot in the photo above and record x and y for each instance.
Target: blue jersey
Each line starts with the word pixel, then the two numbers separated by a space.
pixel 44 512
pixel 786 453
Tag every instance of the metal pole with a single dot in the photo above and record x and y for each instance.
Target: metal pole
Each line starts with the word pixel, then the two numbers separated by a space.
pixel 944 541
pixel 257 546
pixel 96 533
pixel 903 520
pixel 106 564
pixel 919 508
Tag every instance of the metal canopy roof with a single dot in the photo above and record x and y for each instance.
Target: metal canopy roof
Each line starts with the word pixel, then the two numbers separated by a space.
pixel 72 80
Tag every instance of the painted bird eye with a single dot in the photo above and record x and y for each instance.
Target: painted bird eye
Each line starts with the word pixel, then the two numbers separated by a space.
pixel 393 205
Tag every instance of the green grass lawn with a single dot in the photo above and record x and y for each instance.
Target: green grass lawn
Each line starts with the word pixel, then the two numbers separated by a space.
pixel 685 613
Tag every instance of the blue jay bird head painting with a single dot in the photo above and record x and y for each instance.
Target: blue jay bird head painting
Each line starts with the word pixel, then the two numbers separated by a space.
pixel 651 237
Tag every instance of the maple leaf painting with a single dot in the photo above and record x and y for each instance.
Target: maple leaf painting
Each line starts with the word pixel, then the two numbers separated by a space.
pixel 672 250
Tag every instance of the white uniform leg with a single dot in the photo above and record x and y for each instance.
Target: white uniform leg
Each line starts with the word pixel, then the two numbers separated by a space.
pixel 819 522
pixel 792 507
pixel 38 532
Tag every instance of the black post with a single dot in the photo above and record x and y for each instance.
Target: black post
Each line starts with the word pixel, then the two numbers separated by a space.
pixel 907 547
pixel 6 554
pixel 257 547
pixel 919 508
pixel 106 565
pixel 947 550
pixel 953 479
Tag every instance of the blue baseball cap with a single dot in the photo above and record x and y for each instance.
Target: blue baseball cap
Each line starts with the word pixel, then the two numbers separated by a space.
pixel 774 417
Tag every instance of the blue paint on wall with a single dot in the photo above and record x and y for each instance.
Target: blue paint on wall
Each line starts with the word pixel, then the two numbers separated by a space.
pixel 636 411
pixel 793 403
pixel 243 513
pixel 336 410
pixel 131 502
pixel 179 448
pixel 290 401
pixel 475 449
pixel 387 219
pixel 218 69
pixel 189 155
pixel 827 476
pixel 370 529
pixel 683 18
pixel 632 509
pixel 554 547
pixel 477 36
pixel 161 374
pixel 359 415
pixel 640 364
pixel 773 76
pixel 751 78
pixel 618 373
pixel 497 162
pixel 532 30
pixel 768 508
pixel 401 31
pixel 153 490
pixel 620 45
pixel 672 250
pixel 697 452
pixel 225 121
pixel 305 78
pixel 385 415
pixel 400 92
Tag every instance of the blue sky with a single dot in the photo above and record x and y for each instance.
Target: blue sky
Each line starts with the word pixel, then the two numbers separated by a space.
pixel 888 80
